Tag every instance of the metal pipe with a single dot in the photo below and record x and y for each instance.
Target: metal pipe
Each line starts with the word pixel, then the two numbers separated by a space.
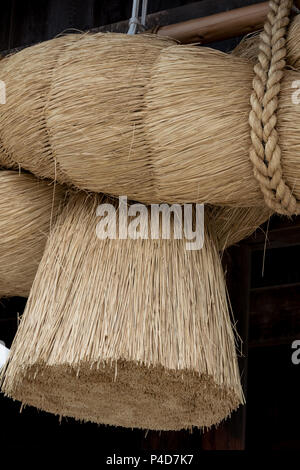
pixel 134 20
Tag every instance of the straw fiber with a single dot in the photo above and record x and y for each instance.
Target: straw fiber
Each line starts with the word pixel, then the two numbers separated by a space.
pixel 142 116
pixel 232 225
pixel 27 208
pixel 133 333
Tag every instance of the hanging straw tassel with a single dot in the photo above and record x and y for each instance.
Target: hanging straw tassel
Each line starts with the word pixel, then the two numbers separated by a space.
pixel 27 209
pixel 133 333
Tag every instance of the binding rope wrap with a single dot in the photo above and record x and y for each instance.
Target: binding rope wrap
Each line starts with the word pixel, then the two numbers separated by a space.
pixel 265 152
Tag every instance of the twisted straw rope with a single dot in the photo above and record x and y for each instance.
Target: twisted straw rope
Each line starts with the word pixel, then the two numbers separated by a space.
pixel 265 152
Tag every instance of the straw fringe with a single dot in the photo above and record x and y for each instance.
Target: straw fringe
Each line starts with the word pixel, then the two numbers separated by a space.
pixel 125 332
pixel 232 225
pixel 26 208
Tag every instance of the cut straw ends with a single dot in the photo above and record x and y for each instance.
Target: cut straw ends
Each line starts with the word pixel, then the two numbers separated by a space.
pixel 134 333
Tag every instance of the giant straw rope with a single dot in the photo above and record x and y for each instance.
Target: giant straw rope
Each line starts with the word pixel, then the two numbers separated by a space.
pixel 157 121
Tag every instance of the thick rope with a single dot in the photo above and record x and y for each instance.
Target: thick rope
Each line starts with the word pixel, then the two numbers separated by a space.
pixel 265 153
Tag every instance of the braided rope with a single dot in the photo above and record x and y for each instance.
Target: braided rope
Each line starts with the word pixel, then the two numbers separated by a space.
pixel 265 153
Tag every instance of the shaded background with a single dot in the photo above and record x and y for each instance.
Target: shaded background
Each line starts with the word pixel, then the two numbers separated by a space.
pixel 266 307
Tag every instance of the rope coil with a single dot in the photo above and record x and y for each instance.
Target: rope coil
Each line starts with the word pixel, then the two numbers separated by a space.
pixel 265 152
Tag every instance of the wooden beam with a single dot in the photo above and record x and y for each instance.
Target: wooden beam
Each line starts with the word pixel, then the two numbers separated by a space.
pixel 219 26
pixel 223 24
pixel 282 232
pixel 203 22
pixel 181 14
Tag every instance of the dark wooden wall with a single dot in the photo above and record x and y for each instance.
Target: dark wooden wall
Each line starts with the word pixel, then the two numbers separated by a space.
pixel 23 22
